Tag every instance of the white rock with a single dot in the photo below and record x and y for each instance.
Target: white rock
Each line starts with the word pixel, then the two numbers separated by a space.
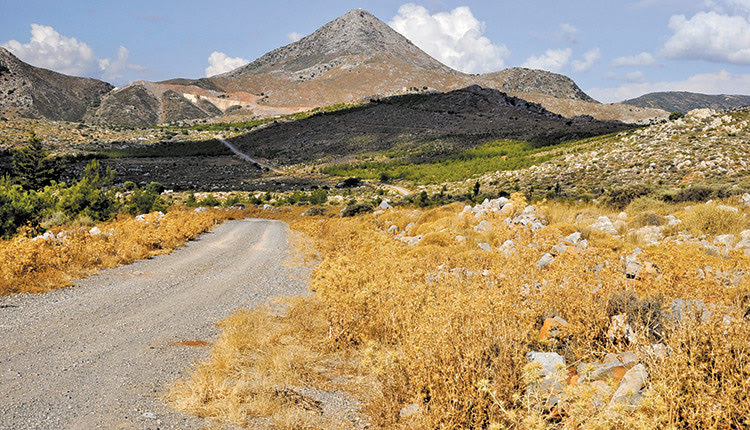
pixel 202 209
pixel 545 261
pixel 485 246
pixel 393 229
pixel 650 234
pixel 574 237
pixel 745 200
pixel 483 227
pixel 384 205
pixel 622 216
pixel 409 410
pixel 632 383
pixel 551 362
pixel 95 231
pixel 725 239
pixel 604 224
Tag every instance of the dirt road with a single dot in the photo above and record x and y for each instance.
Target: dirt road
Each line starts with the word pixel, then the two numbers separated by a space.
pixel 248 158
pixel 100 354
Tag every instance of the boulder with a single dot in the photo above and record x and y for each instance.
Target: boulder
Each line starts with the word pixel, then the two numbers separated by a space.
pixel 629 391
pixel 202 209
pixel 507 248
pixel 551 328
pixel 393 229
pixel 545 261
pixel 483 227
pixel 682 309
pixel 725 239
pixel 745 200
pixel 384 205
pixel 95 231
pixel 604 224
pixel 650 234
pixel 484 246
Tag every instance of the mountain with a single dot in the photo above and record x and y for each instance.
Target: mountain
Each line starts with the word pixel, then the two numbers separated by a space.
pixel 352 59
pixel 40 93
pixel 680 101
pixel 418 124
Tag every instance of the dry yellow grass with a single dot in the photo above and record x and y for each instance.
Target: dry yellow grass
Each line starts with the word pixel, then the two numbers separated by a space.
pixel 454 341
pixel 39 266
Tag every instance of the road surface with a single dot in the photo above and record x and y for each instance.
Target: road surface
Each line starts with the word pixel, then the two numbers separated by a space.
pixel 100 354
pixel 247 157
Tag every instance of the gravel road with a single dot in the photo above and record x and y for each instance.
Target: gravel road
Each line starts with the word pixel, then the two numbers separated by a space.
pixel 100 354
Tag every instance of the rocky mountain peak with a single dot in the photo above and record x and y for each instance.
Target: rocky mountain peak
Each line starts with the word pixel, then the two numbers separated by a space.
pixel 358 33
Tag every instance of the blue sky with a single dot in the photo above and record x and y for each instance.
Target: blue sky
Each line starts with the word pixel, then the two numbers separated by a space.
pixel 613 50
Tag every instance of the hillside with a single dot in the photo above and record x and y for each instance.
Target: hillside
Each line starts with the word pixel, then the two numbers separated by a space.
pixel 34 92
pixel 418 125
pixel 705 148
pixel 680 101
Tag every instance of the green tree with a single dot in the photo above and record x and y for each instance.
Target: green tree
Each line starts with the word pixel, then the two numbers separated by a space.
pixel 33 168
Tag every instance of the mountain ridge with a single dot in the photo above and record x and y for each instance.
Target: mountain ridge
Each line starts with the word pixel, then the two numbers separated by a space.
pixel 40 93
pixel 684 101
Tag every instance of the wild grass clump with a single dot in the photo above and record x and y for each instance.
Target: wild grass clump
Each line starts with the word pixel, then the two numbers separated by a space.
pixel 713 219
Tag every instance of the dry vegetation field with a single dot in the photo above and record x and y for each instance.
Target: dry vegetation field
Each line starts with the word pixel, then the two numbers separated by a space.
pixel 487 319
pixel 37 266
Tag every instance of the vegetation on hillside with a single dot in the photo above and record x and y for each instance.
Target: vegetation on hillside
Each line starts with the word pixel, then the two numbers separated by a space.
pixel 437 168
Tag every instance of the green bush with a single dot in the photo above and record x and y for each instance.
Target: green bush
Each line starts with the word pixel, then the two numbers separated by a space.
pixel 356 209
pixel 19 207
pixel 209 201
pixel 143 201
pixel 620 197
pixel 318 197
pixel 676 115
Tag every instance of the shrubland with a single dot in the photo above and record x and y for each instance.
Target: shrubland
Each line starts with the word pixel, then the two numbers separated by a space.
pixel 435 332
pixel 68 253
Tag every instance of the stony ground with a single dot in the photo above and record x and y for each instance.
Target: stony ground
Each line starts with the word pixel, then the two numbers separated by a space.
pixel 100 354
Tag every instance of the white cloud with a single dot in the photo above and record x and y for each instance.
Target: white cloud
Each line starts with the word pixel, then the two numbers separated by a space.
pixel 570 33
pixel 294 36
pixel 51 50
pixel 220 62
pixel 454 38
pixel 710 36
pixel 112 69
pixel 635 77
pixel 589 58
pixel 740 6
pixel 721 82
pixel 641 60
pixel 553 60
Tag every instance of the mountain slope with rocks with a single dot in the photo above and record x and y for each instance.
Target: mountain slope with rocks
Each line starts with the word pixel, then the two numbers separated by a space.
pixel 681 101
pixel 34 92
pixel 441 122
pixel 705 148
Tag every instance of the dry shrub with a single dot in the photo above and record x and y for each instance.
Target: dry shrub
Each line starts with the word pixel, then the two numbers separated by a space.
pixel 648 204
pixel 712 220
pixel 39 266
pixel 254 367
pixel 447 326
